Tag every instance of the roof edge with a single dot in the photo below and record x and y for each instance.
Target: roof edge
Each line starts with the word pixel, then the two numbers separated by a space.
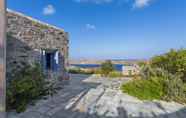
pixel 33 19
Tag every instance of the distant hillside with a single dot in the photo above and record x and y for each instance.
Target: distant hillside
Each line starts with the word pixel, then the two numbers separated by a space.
pixel 115 61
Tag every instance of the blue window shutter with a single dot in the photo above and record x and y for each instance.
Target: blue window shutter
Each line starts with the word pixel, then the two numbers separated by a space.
pixel 56 60
pixel 43 60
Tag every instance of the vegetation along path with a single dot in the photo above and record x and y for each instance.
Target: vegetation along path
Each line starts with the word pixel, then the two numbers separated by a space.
pixel 91 97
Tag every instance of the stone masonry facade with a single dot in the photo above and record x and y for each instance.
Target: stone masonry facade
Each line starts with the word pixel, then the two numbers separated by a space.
pixel 27 36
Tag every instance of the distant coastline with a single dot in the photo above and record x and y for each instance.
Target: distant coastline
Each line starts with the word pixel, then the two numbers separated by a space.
pixel 118 67
pixel 114 61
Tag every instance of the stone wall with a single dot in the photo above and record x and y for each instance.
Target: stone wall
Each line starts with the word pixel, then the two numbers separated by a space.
pixel 27 36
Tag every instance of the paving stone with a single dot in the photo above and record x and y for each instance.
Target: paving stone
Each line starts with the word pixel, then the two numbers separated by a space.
pixel 53 111
pixel 31 115
pixel 84 99
pixel 43 109
pixel 12 115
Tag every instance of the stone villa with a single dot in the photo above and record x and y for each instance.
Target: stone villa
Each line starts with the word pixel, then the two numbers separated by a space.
pixel 31 41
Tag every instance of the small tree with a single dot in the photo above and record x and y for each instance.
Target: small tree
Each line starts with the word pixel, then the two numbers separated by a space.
pixel 106 67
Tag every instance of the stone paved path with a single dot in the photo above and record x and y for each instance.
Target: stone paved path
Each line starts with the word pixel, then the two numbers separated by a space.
pixel 90 97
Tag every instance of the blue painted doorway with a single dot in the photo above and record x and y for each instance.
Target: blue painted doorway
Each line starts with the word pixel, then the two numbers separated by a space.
pixel 50 60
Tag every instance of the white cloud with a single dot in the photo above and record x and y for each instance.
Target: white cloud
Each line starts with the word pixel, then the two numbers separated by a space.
pixel 102 1
pixel 90 27
pixel 49 10
pixel 95 1
pixel 136 3
pixel 141 3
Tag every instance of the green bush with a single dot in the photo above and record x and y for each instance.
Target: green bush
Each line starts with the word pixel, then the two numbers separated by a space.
pixel 106 68
pixel 141 63
pixel 75 70
pixel 163 78
pixel 97 71
pixel 115 74
pixel 80 71
pixel 175 90
pixel 27 86
pixel 174 62
pixel 147 72
pixel 163 88
pixel 145 89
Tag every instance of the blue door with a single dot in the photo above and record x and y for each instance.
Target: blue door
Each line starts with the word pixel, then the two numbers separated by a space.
pixel 50 61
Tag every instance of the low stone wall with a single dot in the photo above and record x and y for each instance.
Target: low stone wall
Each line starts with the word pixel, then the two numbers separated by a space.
pixel 130 70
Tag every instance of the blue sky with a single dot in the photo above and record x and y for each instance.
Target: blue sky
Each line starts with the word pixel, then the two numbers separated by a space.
pixel 117 29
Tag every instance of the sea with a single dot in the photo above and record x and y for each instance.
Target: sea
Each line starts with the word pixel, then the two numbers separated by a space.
pixel 117 67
